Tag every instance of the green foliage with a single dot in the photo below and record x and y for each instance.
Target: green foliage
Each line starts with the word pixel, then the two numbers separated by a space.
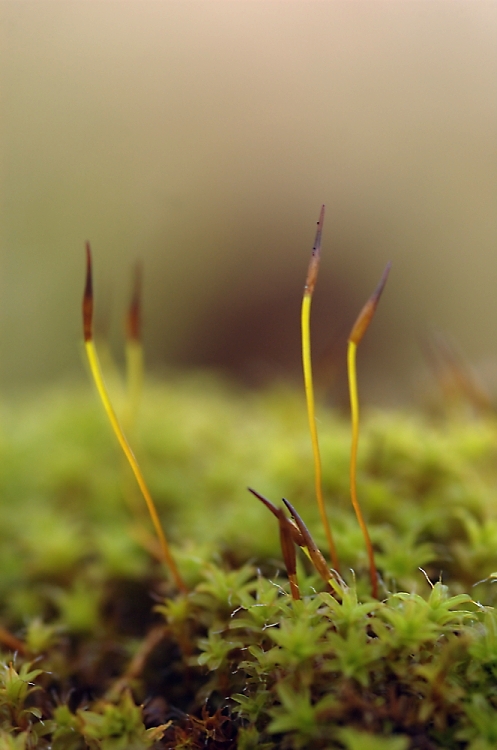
pixel 40 636
pixel 355 740
pixel 117 727
pixel 15 687
pixel 114 658
pixel 298 714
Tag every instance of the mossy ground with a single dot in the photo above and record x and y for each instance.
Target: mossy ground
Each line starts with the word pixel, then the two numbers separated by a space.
pixel 117 659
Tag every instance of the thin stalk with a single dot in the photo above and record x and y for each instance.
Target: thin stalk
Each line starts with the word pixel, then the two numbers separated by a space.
pixel 96 372
pixel 308 383
pixel 358 330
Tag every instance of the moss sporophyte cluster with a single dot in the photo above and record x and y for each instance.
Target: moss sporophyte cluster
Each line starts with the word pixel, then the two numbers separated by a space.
pixel 219 632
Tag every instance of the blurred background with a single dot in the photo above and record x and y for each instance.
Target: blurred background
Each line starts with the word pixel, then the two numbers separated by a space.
pixel 203 137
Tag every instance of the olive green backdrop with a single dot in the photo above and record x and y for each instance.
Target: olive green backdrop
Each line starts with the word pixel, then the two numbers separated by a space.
pixel 202 137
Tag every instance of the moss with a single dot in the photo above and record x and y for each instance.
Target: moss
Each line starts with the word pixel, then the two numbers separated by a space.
pixel 236 662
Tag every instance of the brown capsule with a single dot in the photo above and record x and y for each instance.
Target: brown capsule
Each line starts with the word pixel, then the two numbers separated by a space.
pixel 364 318
pixel 289 536
pixel 294 531
pixel 88 298
pixel 133 320
pixel 312 271
pixel 289 554
pixel 314 552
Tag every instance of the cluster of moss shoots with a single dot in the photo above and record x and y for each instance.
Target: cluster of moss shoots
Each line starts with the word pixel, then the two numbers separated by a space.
pixel 243 655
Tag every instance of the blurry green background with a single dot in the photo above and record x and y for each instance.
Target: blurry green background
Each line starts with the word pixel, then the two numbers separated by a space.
pixel 202 137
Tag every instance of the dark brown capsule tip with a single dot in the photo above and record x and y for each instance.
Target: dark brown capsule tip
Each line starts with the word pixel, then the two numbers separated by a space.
pixel 88 298
pixel 365 316
pixel 265 501
pixel 312 271
pixel 317 241
pixel 308 540
pixel 133 321
pixel 381 284
pixel 278 513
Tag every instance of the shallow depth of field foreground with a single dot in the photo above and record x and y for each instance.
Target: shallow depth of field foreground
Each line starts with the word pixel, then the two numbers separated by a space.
pixel 100 650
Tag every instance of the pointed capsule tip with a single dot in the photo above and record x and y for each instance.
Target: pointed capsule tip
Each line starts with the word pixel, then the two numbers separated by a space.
pixel 316 248
pixel 269 505
pixel 88 298
pixel 133 320
pixel 308 540
pixel 375 297
pixel 384 278
pixel 365 316
pixel 280 516
pixel 312 271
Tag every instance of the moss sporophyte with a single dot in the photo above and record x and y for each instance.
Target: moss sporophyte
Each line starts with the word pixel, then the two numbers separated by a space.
pixel 115 639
